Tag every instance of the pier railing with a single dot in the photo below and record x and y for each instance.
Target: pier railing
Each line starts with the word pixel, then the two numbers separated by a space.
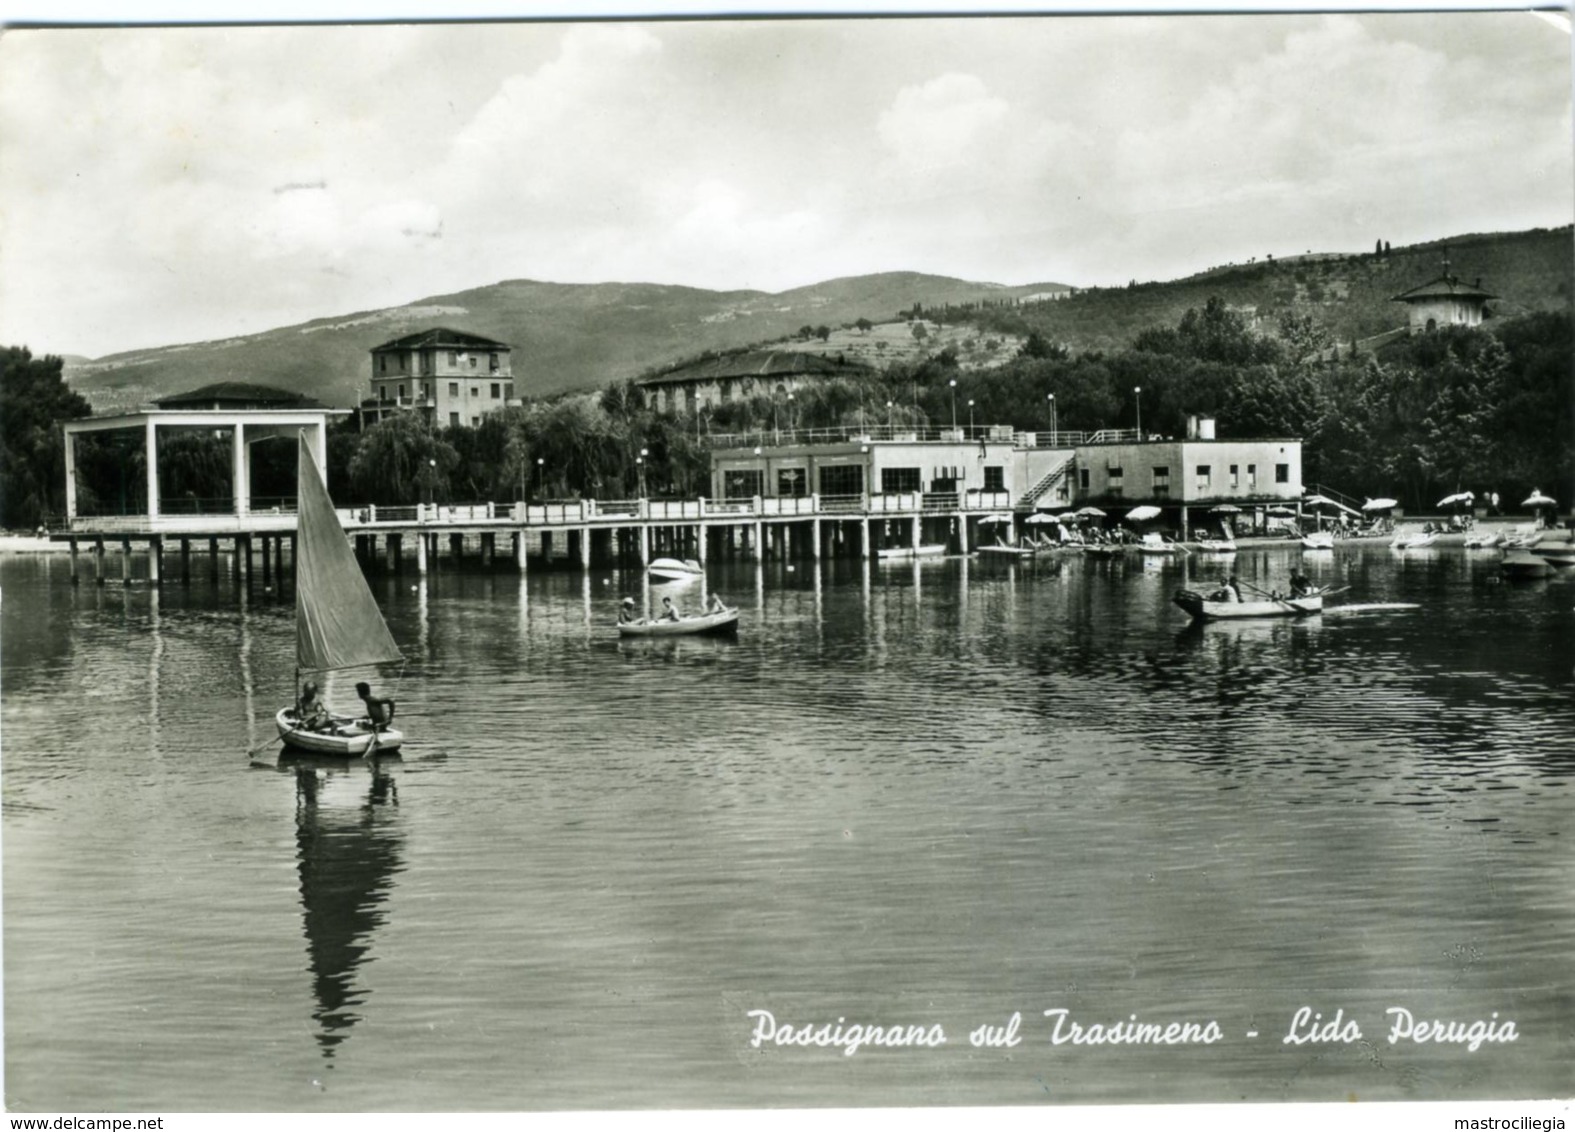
pixel 914 434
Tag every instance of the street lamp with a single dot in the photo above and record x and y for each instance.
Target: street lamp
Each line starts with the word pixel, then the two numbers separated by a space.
pixel 953 384
pixel 541 477
pixel 889 425
pixel 792 417
pixel 640 463
pixel 431 480
pixel 1052 418
pixel 970 416
pixel 1137 397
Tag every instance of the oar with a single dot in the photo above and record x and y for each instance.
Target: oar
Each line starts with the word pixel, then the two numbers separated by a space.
pixel 1270 596
pixel 264 743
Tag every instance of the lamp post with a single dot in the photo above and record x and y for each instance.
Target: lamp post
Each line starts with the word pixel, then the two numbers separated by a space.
pixel 640 463
pixel 889 426
pixel 792 416
pixel 541 477
pixel 1137 399
pixel 431 480
pixel 953 384
pixel 1052 419
pixel 970 416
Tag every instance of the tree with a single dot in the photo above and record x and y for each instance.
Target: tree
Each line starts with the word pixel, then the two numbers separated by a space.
pixel 394 463
pixel 34 399
pixel 823 333
pixel 863 326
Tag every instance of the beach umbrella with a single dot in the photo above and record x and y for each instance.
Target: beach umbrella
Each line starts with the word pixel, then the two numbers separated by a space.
pixel 994 519
pixel 1041 517
pixel 1280 511
pixel 1537 499
pixel 1226 509
pixel 1379 504
pixel 1325 501
pixel 1143 513
pixel 1090 513
pixel 1457 498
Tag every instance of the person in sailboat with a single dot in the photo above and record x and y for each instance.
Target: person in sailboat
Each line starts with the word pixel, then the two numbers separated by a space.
pixel 669 610
pixel 379 709
pixel 313 713
pixel 1301 585
pixel 626 612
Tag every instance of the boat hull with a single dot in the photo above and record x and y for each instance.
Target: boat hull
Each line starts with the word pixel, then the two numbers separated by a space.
pixel 1202 609
pixel 1318 542
pixel 724 622
pixel 911 551
pixel 348 736
pixel 673 570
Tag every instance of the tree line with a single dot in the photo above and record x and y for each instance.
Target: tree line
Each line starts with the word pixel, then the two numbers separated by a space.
pixel 1457 409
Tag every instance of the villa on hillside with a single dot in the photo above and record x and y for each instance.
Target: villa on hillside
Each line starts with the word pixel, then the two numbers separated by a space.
pixel 1444 301
pixel 740 376
pixel 449 376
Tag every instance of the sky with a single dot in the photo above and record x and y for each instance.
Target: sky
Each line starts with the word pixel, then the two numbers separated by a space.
pixel 176 184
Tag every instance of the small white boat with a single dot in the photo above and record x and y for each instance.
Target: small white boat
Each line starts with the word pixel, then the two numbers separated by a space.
pixel 912 551
pixel 1153 543
pixel 337 622
pixel 1482 542
pixel 345 736
pixel 722 621
pixel 1413 542
pixel 673 570
pixel 1318 540
pixel 1216 546
pixel 1205 609
pixel 1011 551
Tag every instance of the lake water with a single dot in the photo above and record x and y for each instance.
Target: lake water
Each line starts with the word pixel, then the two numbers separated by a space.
pixel 927 795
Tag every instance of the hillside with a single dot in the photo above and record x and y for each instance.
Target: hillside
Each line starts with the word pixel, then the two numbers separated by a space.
pixel 1351 295
pixel 564 336
pixel 568 337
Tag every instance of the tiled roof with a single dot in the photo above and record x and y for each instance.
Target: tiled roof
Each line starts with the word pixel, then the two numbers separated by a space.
pixel 1444 287
pixel 757 363
pixel 238 394
pixel 440 337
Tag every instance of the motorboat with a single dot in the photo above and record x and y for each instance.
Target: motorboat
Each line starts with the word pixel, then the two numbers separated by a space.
pixel 674 570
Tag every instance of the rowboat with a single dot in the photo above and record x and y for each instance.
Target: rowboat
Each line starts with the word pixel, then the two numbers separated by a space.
pixel 1216 546
pixel 1204 609
pixel 337 622
pixel 1482 541
pixel 1412 542
pixel 1318 540
pixel 1155 544
pixel 1011 551
pixel 912 551
pixel 672 570
pixel 1522 564
pixel 722 621
pixel 1105 550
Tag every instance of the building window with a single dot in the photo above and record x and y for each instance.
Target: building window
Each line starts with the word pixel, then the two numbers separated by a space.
pixel 382 393
pixel 1235 475
pixel 1161 481
pixel 842 479
pixel 493 361
pixel 382 363
pixel 475 421
pixel 1252 475
pixel 1082 479
pixel 1282 473
pixel 453 389
pixel 497 391
pixel 401 391
pixel 453 357
pixel 426 390
pixel 402 363
pixel 475 391
pixel 744 484
pixel 893 480
pixel 427 365
pixel 1205 476
pixel 453 420
pixel 1116 476
pixel 473 361
pixel 792 482
pixel 994 477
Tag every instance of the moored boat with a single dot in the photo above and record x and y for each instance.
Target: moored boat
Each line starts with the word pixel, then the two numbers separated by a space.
pixel 673 570
pixel 1202 608
pixel 1216 546
pixel 1318 540
pixel 1011 551
pixel 1413 542
pixel 344 736
pixel 1523 564
pixel 721 621
pixel 925 551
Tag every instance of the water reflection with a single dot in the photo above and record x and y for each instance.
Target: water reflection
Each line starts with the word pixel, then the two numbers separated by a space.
pixel 347 858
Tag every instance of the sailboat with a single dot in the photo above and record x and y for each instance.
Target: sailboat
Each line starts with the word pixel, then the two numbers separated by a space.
pixel 337 622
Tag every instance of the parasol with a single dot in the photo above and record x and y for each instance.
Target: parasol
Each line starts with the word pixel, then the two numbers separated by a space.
pixel 994 519
pixel 1325 501
pixel 1226 509
pixel 1458 497
pixel 1041 517
pixel 1143 513
pixel 1090 513
pixel 1537 499
pixel 1379 504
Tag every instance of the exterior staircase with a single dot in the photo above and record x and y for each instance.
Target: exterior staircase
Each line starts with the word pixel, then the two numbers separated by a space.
pixel 1051 480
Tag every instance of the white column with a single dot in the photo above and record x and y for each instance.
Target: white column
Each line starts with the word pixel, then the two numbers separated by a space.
pixel 962 532
pixel 153 468
pixel 71 481
pixel 864 537
pixel 421 552
pixel 240 470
